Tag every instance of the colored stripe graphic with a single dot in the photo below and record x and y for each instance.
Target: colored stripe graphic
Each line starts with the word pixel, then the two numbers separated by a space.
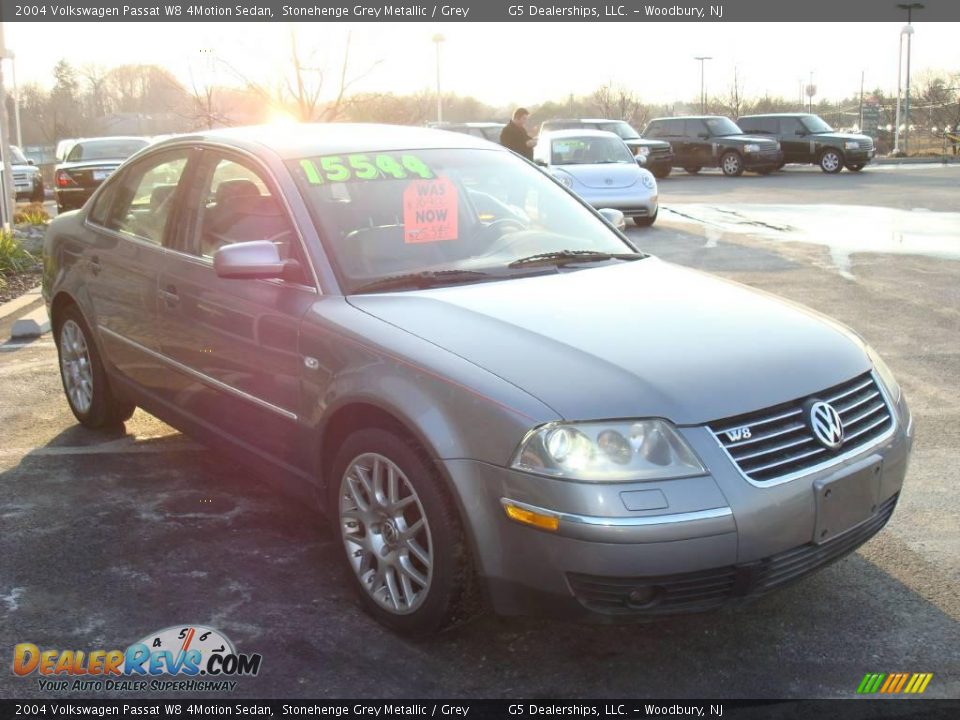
pixel 894 683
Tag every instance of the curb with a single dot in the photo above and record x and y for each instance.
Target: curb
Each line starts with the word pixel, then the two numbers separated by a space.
pixel 32 325
pixel 941 160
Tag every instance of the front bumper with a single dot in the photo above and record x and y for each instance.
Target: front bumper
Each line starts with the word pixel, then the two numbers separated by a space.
pixel 858 156
pixel 629 202
pixel 689 545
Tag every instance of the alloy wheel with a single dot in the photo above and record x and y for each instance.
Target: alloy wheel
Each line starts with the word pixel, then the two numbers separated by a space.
pixel 386 534
pixel 830 162
pixel 76 366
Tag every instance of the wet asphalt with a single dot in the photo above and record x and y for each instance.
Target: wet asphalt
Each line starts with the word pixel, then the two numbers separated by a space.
pixel 107 537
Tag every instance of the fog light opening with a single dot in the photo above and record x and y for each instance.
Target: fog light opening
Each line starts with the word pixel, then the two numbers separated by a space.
pixel 643 597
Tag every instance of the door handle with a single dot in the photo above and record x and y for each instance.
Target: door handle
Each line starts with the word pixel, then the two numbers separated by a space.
pixel 170 296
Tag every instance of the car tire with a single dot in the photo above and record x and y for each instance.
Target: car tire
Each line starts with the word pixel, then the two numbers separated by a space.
pixel 415 584
pixel 646 221
pixel 660 172
pixel 692 169
pixel 831 161
pixel 85 382
pixel 731 164
pixel 855 167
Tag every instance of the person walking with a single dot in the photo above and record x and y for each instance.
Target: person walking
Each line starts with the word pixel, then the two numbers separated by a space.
pixel 514 135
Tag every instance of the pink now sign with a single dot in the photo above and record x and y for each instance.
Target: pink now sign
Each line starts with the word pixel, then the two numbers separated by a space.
pixel 430 211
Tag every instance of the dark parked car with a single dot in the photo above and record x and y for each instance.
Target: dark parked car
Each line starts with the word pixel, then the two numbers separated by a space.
pixel 484 383
pixel 808 139
pixel 27 180
pixel 656 155
pixel 714 141
pixel 87 164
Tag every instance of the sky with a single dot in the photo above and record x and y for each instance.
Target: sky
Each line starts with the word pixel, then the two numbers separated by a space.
pixel 505 64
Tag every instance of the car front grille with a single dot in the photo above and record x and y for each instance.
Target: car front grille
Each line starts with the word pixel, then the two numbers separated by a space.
pixel 714 588
pixel 21 177
pixel 777 442
pixel 659 152
pixel 866 143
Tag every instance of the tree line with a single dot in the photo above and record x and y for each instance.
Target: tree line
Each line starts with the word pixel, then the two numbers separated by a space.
pixel 149 100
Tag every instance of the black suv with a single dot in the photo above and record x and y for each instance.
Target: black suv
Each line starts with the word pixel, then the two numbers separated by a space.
pixel 714 141
pixel 657 155
pixel 806 138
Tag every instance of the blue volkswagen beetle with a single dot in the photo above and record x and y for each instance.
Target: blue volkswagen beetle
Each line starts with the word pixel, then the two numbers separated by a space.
pixel 599 167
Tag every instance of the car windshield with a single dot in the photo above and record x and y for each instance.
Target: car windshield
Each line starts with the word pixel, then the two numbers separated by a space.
pixel 589 150
pixel 107 149
pixel 17 155
pixel 456 214
pixel 815 124
pixel 620 128
pixel 722 126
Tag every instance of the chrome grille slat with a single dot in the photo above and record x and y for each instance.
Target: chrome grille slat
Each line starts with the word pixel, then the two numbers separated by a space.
pixel 777 448
pixel 833 398
pixel 766 421
pixel 790 449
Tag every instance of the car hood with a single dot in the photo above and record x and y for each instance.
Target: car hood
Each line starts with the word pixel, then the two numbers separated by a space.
pixel 643 142
pixel 842 136
pixel 604 176
pixel 637 339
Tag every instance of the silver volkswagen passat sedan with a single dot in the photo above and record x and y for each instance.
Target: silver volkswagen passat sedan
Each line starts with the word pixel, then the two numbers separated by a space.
pixel 494 394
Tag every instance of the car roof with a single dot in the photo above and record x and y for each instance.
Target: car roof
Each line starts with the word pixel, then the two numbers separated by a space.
pixel 110 138
pixel 310 139
pixel 753 115
pixel 577 132
pixel 692 117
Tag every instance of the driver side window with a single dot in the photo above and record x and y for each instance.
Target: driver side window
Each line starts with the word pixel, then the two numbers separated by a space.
pixel 238 206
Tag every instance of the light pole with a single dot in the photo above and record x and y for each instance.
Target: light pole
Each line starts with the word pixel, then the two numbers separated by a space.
pixel 909 7
pixel 703 95
pixel 6 176
pixel 437 39
pixel 16 95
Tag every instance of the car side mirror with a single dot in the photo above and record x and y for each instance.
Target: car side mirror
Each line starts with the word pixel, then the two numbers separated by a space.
pixel 541 162
pixel 30 162
pixel 614 217
pixel 703 136
pixel 249 260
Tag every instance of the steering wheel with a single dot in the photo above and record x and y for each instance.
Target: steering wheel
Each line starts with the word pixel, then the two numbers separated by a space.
pixel 504 226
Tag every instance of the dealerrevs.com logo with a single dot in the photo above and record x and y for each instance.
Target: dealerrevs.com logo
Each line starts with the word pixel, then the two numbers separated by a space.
pixel 200 657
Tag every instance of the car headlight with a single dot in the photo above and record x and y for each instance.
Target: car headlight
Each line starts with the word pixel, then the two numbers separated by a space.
pixel 751 147
pixel 643 150
pixel 615 451
pixel 563 178
pixel 851 145
pixel 885 373
pixel 648 181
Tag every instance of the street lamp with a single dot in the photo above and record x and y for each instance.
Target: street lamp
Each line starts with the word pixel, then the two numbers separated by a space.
pixel 437 39
pixel 12 56
pixel 908 31
pixel 703 96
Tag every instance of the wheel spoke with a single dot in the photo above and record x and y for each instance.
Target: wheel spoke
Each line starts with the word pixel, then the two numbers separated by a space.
pixel 418 552
pixel 390 576
pixel 411 531
pixel 408 569
pixel 408 592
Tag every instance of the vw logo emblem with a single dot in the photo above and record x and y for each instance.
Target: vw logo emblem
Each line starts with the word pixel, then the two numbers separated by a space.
pixel 826 424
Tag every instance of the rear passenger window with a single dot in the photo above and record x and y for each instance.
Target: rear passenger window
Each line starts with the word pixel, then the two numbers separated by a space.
pixel 141 203
pixel 239 206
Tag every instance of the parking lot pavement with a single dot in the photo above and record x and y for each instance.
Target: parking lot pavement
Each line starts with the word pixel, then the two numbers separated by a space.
pixel 109 537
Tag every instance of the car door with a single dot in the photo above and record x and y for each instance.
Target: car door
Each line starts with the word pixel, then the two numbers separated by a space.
pixel 235 342
pixel 796 148
pixel 699 149
pixel 130 220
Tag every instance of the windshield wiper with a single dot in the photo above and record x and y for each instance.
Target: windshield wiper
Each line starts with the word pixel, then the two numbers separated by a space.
pixel 423 279
pixel 565 257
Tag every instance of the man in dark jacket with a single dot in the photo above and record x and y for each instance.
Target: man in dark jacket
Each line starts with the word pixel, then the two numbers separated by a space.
pixel 514 135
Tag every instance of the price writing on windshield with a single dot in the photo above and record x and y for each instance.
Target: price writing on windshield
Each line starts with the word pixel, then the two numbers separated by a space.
pixel 352 168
